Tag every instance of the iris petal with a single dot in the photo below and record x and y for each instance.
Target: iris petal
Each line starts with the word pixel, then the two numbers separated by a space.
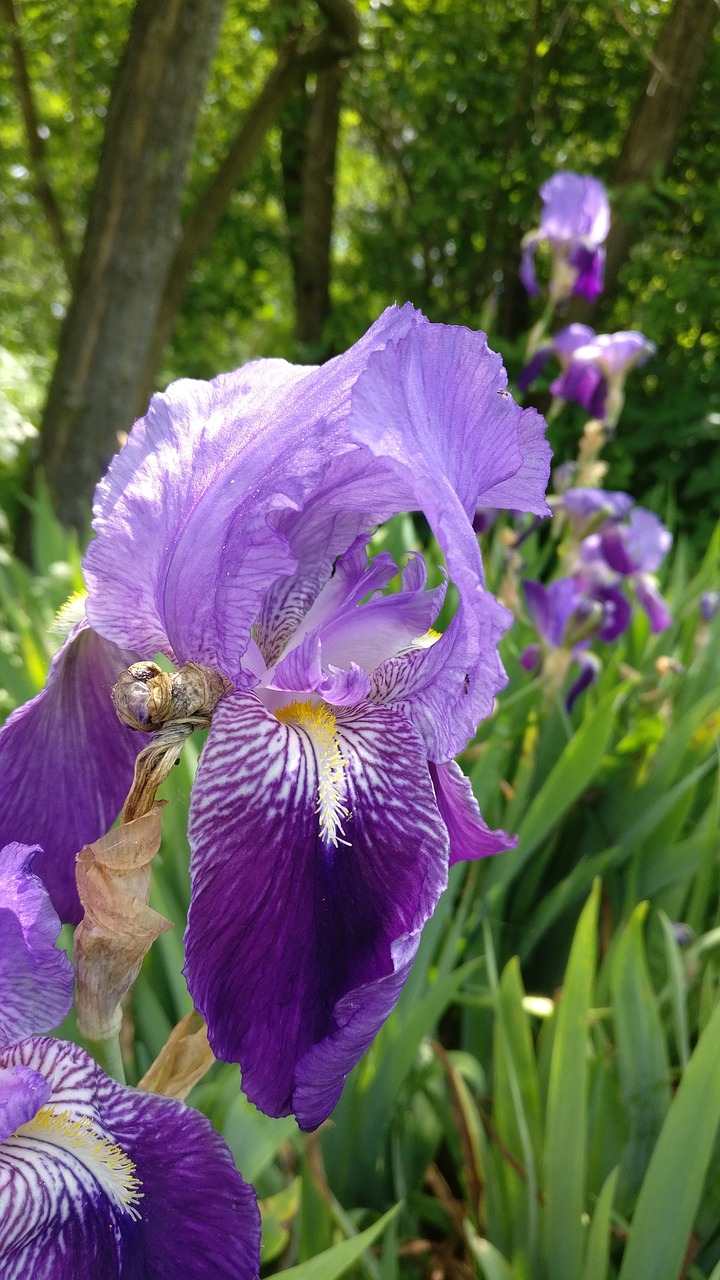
pixel 458 441
pixel 22 1093
pixel 217 495
pixel 36 980
pixel 470 836
pixel 67 747
pixel 61 1213
pixel 297 948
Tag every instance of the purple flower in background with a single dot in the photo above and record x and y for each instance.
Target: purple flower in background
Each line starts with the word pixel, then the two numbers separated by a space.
pixel 565 619
pixel 589 508
pixel 574 225
pixel 562 345
pixel 632 550
pixel 97 1179
pixel 232 531
pixel 709 605
pixel 595 374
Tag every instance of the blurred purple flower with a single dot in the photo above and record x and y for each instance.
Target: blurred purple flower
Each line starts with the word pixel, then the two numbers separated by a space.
pixel 589 508
pixel 563 345
pixel 565 618
pixel 709 605
pixel 594 375
pixel 574 224
pixel 232 532
pixel 97 1179
pixel 484 519
pixel 633 550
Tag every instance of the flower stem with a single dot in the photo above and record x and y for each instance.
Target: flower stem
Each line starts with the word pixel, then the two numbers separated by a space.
pixel 108 1055
pixel 538 331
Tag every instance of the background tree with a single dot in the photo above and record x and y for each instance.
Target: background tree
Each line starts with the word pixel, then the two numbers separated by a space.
pixel 131 229
pixel 450 119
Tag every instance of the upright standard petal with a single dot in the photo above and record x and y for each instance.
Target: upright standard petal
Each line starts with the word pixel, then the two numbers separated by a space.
pixel 109 1182
pixel 36 980
pixel 192 517
pixel 67 763
pixel 433 407
pixel 576 207
pixel 318 856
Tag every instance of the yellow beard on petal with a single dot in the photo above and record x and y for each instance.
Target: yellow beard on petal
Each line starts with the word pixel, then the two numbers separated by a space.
pixel 107 1162
pixel 320 726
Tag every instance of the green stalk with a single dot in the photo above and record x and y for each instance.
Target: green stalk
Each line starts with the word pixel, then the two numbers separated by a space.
pixel 108 1055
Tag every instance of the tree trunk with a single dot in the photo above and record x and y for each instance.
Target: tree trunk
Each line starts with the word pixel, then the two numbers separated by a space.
pixel 651 138
pixel 296 59
pixel 312 273
pixel 133 227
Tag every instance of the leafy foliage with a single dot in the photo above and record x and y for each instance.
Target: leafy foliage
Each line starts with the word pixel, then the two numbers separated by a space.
pixel 544 1103
pixel 453 117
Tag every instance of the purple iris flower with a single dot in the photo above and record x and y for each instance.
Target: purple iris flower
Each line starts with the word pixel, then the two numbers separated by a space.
pixel 97 1179
pixel 588 507
pixel 566 618
pixel 574 224
pixel 232 531
pixel 632 550
pixel 562 345
pixel 595 374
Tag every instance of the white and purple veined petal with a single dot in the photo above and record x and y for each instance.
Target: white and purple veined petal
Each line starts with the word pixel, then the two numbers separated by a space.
pixel 101 1180
pixel 318 855
pixel 67 762
pixel 36 979
pixel 22 1093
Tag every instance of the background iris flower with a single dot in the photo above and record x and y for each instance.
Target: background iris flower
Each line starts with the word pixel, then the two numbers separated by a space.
pixel 232 531
pixel 94 1175
pixel 593 367
pixel 594 376
pixel 574 225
